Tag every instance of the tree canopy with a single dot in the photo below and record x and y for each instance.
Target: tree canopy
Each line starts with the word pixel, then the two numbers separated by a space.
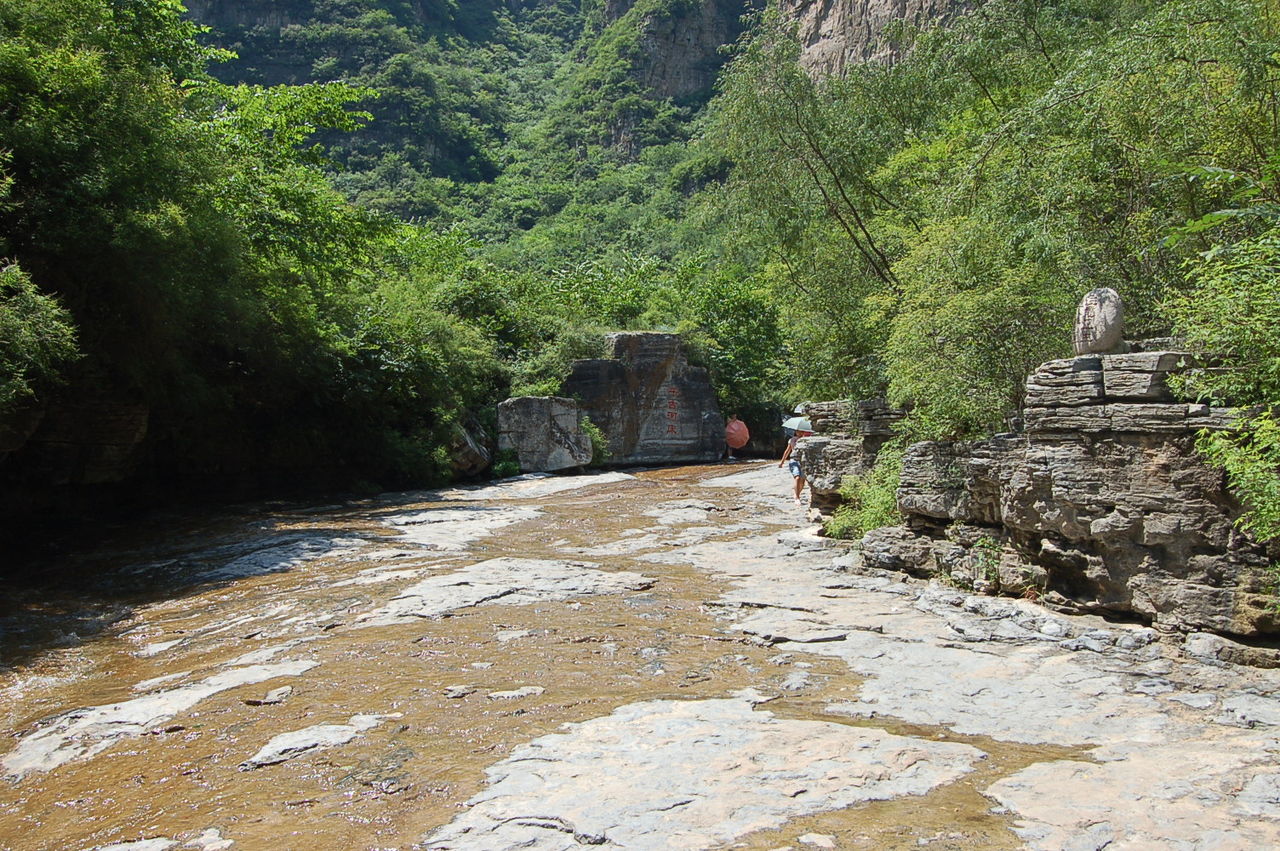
pixel 337 244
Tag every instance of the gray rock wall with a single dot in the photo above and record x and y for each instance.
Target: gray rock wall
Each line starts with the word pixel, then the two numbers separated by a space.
pixel 837 33
pixel 89 439
pixel 848 437
pixel 682 53
pixel 651 404
pixel 1101 505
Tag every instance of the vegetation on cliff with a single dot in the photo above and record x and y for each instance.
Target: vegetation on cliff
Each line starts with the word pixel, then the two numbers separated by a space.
pixel 457 198
pixel 929 226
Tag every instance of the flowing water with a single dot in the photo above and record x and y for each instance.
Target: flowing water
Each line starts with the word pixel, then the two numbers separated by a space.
pixel 432 635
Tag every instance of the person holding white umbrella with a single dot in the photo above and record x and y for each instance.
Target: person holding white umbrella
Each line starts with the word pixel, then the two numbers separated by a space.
pixel 798 427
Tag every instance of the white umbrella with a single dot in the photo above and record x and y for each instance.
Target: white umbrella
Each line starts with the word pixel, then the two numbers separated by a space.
pixel 798 424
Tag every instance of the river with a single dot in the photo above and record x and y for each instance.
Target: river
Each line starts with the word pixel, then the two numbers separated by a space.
pixel 657 659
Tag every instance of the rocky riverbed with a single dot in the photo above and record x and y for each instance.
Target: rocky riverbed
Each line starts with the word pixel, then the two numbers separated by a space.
pixel 661 659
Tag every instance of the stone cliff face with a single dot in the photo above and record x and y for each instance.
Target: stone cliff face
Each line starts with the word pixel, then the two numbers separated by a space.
pixel 848 437
pixel 680 50
pixel 247 13
pixel 1101 505
pixel 835 34
pixel 681 44
pixel 545 432
pixel 86 435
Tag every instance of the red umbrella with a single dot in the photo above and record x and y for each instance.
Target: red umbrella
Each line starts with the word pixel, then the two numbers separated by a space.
pixel 736 434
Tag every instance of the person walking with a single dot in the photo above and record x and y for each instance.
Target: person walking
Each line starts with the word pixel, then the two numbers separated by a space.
pixel 793 466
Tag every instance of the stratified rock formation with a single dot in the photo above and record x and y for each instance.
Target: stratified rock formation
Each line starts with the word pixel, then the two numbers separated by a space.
pixel 545 432
pixel 653 407
pixel 1102 505
pixel 835 34
pixel 87 437
pixel 468 453
pixel 848 438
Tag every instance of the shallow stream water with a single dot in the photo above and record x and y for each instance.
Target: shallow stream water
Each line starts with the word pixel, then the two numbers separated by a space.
pixel 409 649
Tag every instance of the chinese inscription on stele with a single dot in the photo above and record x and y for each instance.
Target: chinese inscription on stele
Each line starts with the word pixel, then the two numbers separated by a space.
pixel 669 402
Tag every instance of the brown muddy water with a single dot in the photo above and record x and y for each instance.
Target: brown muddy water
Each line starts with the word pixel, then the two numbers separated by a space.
pixel 159 616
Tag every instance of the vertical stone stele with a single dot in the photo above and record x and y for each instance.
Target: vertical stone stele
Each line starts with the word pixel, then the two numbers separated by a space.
pixel 1099 323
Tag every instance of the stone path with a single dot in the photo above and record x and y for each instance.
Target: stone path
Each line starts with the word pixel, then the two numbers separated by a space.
pixel 650 661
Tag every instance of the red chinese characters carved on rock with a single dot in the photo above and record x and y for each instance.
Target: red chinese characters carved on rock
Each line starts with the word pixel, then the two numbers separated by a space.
pixel 673 412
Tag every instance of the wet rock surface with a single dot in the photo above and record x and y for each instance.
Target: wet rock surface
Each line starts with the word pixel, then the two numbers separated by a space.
pixel 287 746
pixel 690 774
pixel 545 432
pixel 708 677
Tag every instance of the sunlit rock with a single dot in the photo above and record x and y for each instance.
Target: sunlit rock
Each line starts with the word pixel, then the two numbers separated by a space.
pixel 545 432
pixel 1101 504
pixel 690 774
pixel 84 732
pixel 1099 324
pixel 651 404
pixel 295 743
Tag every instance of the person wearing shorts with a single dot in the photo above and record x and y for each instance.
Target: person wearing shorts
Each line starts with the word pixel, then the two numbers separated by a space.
pixel 793 466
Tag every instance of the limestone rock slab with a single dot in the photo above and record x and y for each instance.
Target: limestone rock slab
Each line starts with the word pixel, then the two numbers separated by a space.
pixel 85 732
pixel 454 528
pixel 295 743
pixel 690 774
pixel 1220 793
pixel 1098 507
pixel 1099 322
pixel 505 581
pixel 1141 376
pixel 651 404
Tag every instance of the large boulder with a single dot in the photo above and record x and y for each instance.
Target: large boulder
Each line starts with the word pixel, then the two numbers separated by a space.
pixel 545 432
pixel 825 462
pixel 651 404
pixel 1099 322
pixel 468 453
pixel 90 440
pixel 847 440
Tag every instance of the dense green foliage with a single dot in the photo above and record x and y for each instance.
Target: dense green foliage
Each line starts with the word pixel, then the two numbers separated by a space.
pixel 460 198
pixel 1233 313
pixel 210 269
pixel 937 220
pixel 929 226
pixel 36 338
pixel 451 80
pixel 871 501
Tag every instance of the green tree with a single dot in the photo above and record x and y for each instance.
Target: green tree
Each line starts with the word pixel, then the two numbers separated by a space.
pixel 1232 315
pixel 36 339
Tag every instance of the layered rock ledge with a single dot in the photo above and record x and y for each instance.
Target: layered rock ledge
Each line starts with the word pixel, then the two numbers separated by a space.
pixel 848 437
pixel 1101 504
